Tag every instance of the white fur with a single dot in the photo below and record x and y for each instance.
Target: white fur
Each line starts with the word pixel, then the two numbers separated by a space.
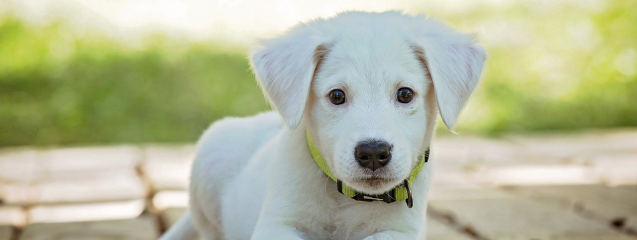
pixel 254 178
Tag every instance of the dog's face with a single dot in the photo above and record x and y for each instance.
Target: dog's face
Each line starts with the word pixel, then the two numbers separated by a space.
pixel 367 111
pixel 368 87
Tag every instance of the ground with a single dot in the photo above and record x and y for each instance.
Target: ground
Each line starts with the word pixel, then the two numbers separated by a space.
pixel 552 186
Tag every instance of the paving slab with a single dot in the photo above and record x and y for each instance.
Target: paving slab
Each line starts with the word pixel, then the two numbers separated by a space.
pixel 515 218
pixel 439 231
pixel 452 178
pixel 108 185
pixel 472 151
pixel 19 165
pixel 533 174
pixel 86 211
pixel 6 232
pixel 495 162
pixel 618 168
pixel 89 158
pixel 576 145
pixel 142 228
pixel 170 199
pixel 591 157
pixel 12 215
pixel 615 205
pixel 466 193
pixel 168 167
pixel 32 176
pixel 31 165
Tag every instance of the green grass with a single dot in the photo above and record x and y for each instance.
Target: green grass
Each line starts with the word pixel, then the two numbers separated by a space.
pixel 570 70
pixel 104 93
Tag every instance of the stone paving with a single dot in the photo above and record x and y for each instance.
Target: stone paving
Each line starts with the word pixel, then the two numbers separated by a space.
pixel 557 186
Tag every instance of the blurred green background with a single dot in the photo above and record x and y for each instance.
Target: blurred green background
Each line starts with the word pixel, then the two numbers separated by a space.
pixel 566 67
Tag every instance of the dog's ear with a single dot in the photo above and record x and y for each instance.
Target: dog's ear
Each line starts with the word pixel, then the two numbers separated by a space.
pixel 285 67
pixel 453 62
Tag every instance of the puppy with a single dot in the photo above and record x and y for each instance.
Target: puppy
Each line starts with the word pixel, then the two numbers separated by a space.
pixel 345 155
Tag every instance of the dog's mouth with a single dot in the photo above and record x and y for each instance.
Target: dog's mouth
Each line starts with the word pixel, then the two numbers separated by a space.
pixel 374 182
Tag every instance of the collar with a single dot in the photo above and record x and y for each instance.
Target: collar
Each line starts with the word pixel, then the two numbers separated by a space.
pixel 401 192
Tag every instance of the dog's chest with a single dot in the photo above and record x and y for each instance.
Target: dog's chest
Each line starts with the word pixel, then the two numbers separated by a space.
pixel 341 225
pixel 340 217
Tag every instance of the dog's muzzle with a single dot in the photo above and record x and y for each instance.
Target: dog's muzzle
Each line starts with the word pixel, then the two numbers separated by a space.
pixel 401 192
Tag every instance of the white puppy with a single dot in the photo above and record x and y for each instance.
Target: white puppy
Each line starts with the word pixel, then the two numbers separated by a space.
pixel 362 91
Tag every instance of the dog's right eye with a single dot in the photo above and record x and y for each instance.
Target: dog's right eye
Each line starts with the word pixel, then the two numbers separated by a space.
pixel 404 95
pixel 337 97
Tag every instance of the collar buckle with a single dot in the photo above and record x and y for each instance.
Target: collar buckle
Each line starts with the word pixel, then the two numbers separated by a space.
pixel 387 197
pixel 410 199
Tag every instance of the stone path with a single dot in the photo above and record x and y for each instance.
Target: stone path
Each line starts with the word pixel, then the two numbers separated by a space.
pixel 572 186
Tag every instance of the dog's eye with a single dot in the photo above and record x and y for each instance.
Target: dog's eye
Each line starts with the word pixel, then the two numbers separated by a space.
pixel 337 97
pixel 404 95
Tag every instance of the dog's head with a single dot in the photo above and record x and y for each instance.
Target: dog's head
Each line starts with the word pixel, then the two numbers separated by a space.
pixel 368 87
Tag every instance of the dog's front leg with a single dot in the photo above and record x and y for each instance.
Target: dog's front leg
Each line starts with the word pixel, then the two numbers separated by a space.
pixel 295 204
pixel 392 235
pixel 279 218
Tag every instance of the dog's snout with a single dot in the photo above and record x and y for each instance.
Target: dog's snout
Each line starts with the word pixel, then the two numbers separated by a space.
pixel 373 154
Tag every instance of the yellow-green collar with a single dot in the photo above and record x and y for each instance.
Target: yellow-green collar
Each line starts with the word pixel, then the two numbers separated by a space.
pixel 401 192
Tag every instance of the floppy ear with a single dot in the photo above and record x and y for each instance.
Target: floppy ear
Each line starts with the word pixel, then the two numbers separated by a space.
pixel 454 63
pixel 284 68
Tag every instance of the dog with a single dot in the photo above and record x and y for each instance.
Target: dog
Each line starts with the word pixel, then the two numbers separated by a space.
pixel 346 153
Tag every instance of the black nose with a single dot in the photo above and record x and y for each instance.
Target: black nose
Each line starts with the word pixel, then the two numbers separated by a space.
pixel 373 154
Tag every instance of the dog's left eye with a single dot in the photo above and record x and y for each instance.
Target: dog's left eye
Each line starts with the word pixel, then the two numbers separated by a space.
pixel 404 95
pixel 337 97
